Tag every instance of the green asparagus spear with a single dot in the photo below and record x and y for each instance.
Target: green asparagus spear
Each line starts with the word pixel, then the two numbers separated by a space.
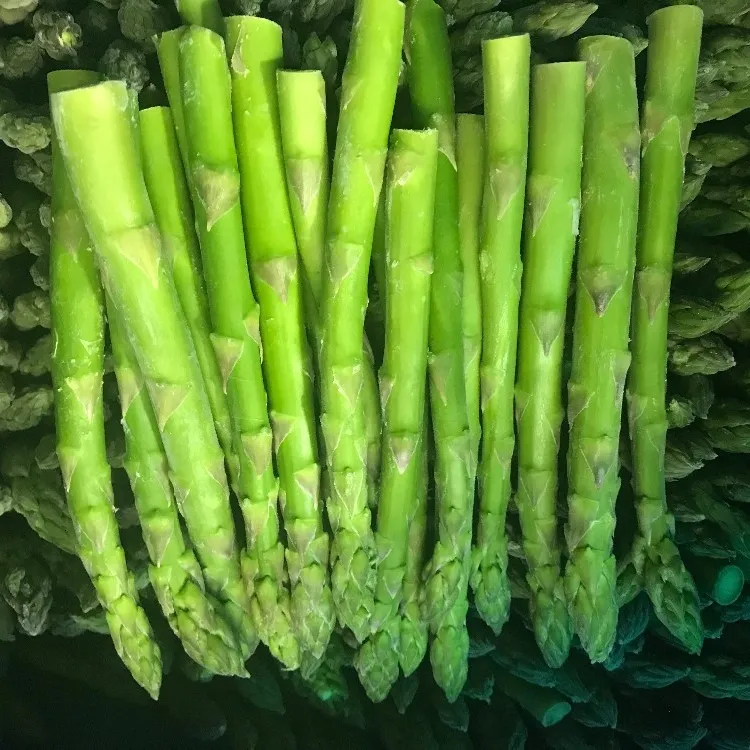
pixel 409 207
pixel 368 94
pixel 600 336
pixel 553 19
pixel 77 372
pixel 412 642
pixel 554 194
pixel 302 116
pixel 93 122
pixel 174 572
pixel 506 112
pixel 255 51
pixel 170 200
pixel 202 13
pixel 470 168
pixel 447 575
pixel 212 159
pixel 667 121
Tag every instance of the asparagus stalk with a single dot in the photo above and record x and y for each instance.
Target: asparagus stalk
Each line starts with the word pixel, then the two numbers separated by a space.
pixel 506 113
pixel 174 572
pixel 170 199
pixel 470 168
pixel 212 159
pixel 255 52
pixel 368 93
pixel 600 336
pixel 667 121
pixel 409 207
pixel 101 155
pixel 302 116
pixel 77 372
pixel 202 13
pixel 168 51
pixel 302 119
pixel 554 200
pixel 431 90
pixel 412 643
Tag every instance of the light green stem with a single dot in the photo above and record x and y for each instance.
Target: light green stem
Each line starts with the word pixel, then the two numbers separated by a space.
pixel 506 120
pixel 551 229
pixel 470 166
pixel 666 125
pixel 368 93
pixel 409 207
pixel 606 260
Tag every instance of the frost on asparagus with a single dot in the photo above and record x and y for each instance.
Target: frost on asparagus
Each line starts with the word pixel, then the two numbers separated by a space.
pixel 57 33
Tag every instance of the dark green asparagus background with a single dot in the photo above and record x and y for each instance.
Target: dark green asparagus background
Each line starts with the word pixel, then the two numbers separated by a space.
pixel 61 683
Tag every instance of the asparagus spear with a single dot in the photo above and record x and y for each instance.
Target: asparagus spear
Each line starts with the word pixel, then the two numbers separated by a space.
pixel 409 206
pixel 446 577
pixel 302 117
pixel 212 161
pixel 368 94
pixel 93 122
pixel 174 572
pixel 470 168
pixel 600 336
pixel 706 355
pixel 550 234
pixel 412 642
pixel 506 111
pixel 255 52
pixel 202 13
pixel 667 121
pixel 77 373
pixel 170 200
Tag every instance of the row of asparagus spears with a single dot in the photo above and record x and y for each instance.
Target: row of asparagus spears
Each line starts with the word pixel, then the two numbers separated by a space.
pixel 229 375
pixel 392 624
